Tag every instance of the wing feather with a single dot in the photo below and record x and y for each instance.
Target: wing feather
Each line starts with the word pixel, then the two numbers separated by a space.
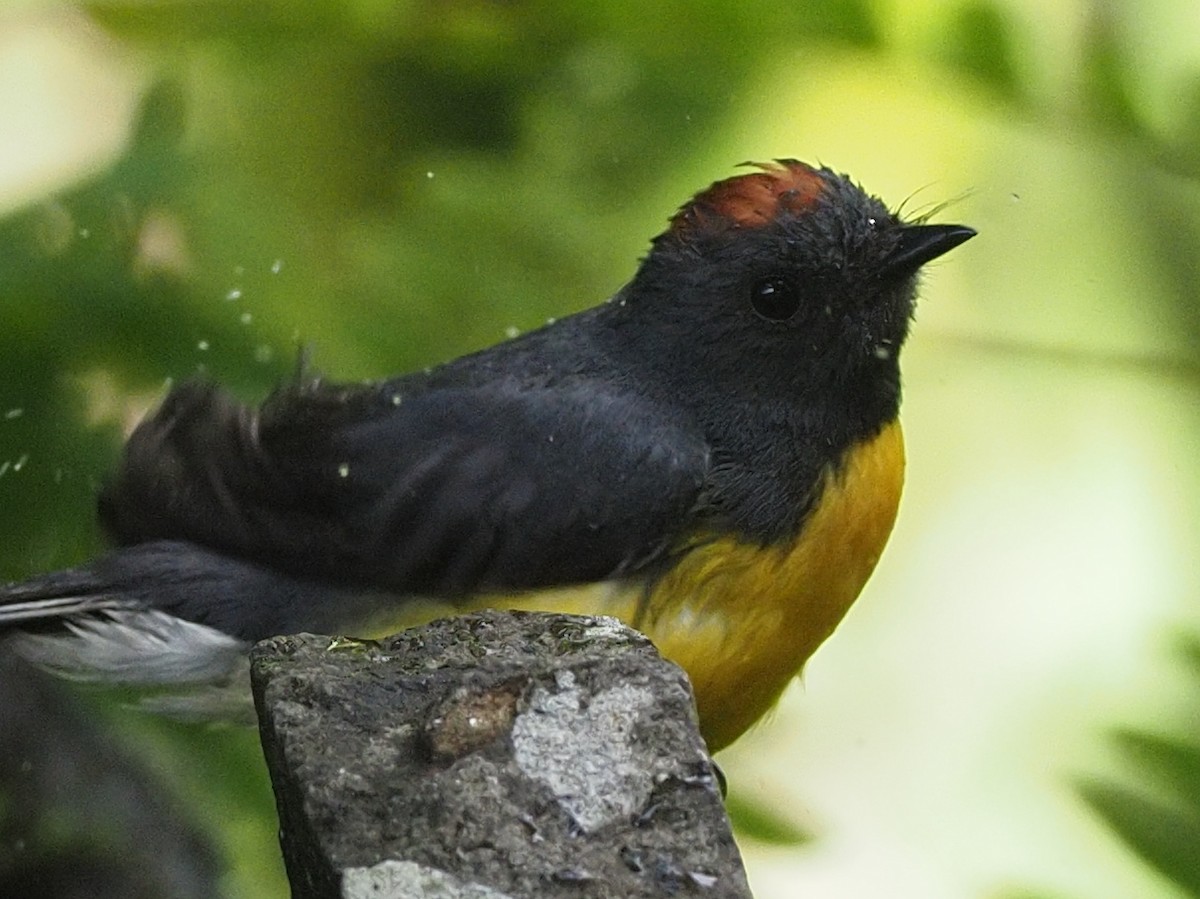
pixel 500 486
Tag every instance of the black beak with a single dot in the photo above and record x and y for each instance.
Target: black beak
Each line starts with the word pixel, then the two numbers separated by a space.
pixel 919 244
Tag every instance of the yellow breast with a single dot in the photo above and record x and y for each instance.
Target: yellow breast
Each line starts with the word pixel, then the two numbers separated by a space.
pixel 742 619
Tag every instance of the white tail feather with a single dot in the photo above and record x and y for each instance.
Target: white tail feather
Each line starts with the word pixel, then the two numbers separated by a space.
pixel 57 607
pixel 135 647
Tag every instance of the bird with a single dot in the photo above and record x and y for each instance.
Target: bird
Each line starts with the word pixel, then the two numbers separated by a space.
pixel 713 456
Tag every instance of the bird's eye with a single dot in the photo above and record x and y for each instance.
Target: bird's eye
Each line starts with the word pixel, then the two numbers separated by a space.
pixel 775 299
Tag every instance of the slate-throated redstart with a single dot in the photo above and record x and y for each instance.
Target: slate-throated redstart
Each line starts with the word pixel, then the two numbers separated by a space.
pixel 713 456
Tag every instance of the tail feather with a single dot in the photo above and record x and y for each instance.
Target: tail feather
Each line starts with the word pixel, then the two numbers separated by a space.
pixel 163 614
pixel 134 647
pixel 51 598
pixel 99 622
pixel 242 599
pixel 56 608
pixel 179 669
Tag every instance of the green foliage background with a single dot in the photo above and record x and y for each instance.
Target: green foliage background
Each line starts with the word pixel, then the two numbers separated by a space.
pixel 393 183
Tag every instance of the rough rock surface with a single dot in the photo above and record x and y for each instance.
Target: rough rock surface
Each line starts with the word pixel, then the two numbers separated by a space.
pixel 489 756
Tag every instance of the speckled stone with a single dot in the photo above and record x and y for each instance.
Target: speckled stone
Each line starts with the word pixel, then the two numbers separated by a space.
pixel 489 756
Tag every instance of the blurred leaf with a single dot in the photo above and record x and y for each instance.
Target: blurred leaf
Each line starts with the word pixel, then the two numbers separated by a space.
pixel 1187 648
pixel 1166 836
pixel 979 41
pixel 1158 816
pixel 161 117
pixel 1173 765
pixel 1186 143
pixel 755 821
pixel 252 24
pixel 1107 73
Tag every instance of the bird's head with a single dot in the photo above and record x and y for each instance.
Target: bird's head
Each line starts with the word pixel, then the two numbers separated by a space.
pixel 787 271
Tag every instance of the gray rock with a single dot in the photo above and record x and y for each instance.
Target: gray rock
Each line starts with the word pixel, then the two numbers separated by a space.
pixel 489 756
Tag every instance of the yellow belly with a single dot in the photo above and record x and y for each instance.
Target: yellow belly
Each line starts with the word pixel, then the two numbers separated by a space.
pixel 742 619
pixel 747 618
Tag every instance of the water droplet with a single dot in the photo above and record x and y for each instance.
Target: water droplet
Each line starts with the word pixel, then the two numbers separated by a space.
pixel 85 233
pixel 344 470
pixel 235 294
pixel 551 320
pixel 429 175
pixel 512 331
pixel 263 353
pixel 202 345
pixel 13 413
pixel 239 270
pixel 20 463
pixel 245 318
pixel 276 266
pixel 883 352
pixel 4 467
pixel 397 399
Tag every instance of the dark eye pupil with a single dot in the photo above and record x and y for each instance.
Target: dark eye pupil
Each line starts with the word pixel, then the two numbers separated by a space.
pixel 774 299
